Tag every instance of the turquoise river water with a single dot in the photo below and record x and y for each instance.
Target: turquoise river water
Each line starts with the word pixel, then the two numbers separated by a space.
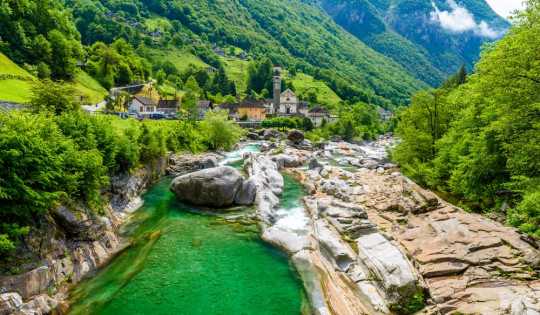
pixel 187 261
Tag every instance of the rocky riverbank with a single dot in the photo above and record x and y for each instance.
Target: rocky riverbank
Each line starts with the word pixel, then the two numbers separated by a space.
pixel 378 243
pixel 73 241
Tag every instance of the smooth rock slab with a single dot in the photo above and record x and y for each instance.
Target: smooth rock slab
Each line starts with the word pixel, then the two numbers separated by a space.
pixel 215 187
pixel 388 264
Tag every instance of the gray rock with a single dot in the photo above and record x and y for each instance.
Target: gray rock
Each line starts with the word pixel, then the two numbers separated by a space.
pixel 252 136
pixel 287 240
pixel 331 244
pixel 320 145
pixel 246 194
pixel 388 166
pixel 75 221
pixel 388 264
pixel 295 136
pixel 369 164
pixel 287 160
pixel 264 147
pixel 262 131
pixel 210 162
pixel 306 145
pixel 314 163
pixel 336 139
pixel 337 188
pixel 272 133
pixel 272 146
pixel 214 187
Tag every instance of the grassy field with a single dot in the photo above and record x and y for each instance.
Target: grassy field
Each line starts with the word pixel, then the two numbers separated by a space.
pixel 237 71
pixel 9 67
pixel 304 84
pixel 179 57
pixel 89 87
pixel 155 21
pixel 15 90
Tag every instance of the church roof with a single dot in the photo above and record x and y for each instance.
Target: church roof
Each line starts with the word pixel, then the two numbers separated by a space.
pixel 288 91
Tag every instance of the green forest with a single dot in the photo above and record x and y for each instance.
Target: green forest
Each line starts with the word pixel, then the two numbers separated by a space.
pixel 478 136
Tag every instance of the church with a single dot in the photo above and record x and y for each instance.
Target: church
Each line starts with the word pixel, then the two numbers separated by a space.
pixel 286 103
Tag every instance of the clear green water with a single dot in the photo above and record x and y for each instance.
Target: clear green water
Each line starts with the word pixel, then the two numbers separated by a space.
pixel 185 262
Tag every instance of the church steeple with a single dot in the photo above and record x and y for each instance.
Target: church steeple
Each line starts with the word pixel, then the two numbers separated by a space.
pixel 277 86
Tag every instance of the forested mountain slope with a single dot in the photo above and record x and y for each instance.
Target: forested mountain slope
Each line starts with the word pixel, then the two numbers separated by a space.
pixel 429 38
pixel 287 31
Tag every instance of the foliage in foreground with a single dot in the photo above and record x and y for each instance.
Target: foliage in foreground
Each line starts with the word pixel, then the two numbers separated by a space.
pixel 481 140
pixel 46 160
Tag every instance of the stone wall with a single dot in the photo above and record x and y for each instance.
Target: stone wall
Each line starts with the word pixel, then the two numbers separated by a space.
pixel 6 105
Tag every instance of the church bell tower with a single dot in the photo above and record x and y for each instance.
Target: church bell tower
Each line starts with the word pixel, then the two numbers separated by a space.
pixel 277 86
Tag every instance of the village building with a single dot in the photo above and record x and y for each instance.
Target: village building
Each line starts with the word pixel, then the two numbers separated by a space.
pixel 333 118
pixel 317 114
pixel 251 108
pixel 269 105
pixel 203 106
pixel 288 102
pixel 155 33
pixel 276 86
pixel 242 55
pixel 303 108
pixel 210 70
pixel 385 115
pixel 220 52
pixel 168 107
pixel 143 105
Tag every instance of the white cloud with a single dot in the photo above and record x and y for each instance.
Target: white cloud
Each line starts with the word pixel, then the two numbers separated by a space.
pixel 461 20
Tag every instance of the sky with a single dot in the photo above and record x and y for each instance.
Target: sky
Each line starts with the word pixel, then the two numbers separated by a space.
pixel 505 7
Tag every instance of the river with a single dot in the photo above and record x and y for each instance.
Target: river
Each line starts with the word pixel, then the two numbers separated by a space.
pixel 188 260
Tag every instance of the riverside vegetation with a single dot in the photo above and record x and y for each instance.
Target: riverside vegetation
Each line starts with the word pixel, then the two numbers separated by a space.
pixel 57 154
pixel 479 136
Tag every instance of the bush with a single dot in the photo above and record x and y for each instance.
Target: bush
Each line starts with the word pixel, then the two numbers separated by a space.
pixel 408 305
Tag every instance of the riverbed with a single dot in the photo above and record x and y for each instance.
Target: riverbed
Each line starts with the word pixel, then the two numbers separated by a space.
pixel 189 260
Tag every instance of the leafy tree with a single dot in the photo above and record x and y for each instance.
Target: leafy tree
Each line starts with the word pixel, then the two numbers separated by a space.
pixel 52 97
pixel 307 124
pixel 312 98
pixel 160 77
pixel 292 71
pixel 221 132
pixel 63 59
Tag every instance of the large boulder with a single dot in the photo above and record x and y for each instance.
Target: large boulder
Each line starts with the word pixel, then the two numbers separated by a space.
pixel 246 194
pixel 252 136
pixel 305 145
pixel 272 133
pixel 214 187
pixel 295 136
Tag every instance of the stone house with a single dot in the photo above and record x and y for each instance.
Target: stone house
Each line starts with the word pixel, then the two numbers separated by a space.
pixel 168 107
pixel 242 55
pixel 210 70
pixel 203 106
pixel 269 105
pixel 220 52
pixel 303 108
pixel 385 115
pixel 317 114
pixel 333 118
